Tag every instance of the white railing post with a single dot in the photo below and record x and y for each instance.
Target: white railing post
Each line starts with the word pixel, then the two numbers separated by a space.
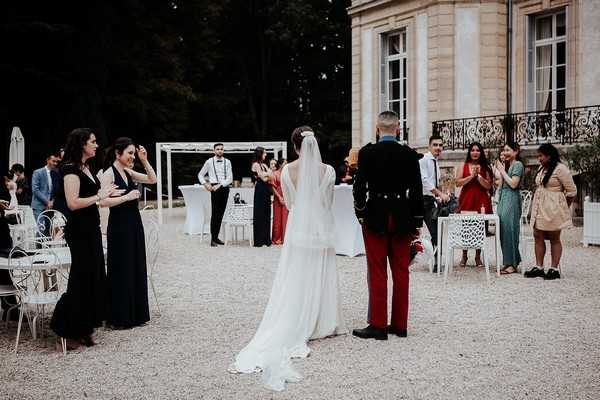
pixel 159 183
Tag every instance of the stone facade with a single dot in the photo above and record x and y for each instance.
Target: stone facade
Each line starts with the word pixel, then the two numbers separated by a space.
pixel 457 58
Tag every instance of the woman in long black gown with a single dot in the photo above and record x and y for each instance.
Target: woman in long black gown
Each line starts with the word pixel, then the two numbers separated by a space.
pixel 126 259
pixel 83 306
pixel 261 175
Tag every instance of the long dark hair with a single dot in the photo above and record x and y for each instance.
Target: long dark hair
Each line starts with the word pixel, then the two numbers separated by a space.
pixel 483 162
pixel 297 137
pixel 76 140
pixel 258 155
pixel 118 147
pixel 549 150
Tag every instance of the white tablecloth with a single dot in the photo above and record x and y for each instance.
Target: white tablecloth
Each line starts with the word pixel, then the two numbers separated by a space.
pixel 197 204
pixel 63 255
pixel 348 233
pixel 349 240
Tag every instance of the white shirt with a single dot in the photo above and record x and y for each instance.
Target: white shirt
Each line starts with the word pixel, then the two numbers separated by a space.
pixel 218 171
pixel 49 179
pixel 428 173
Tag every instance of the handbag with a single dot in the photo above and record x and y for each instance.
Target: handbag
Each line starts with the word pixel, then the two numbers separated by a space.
pixel 445 209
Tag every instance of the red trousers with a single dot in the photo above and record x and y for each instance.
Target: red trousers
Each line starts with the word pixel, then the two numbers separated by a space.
pixel 380 248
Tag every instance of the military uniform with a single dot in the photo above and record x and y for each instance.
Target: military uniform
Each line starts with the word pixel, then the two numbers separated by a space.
pixel 388 198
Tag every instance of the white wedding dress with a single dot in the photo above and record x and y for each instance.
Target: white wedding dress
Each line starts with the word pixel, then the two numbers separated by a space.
pixel 305 301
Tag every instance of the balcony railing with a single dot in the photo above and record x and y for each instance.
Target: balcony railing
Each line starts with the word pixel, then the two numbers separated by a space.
pixel 567 126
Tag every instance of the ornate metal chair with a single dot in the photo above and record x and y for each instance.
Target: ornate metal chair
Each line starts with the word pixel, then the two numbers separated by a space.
pixel 526 199
pixel 152 238
pixel 239 215
pixel 466 232
pixel 51 228
pixel 39 280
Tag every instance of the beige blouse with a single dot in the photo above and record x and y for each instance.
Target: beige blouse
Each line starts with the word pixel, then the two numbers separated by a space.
pixel 549 209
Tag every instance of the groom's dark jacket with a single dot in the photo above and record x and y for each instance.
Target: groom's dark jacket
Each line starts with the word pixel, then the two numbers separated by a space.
pixel 388 185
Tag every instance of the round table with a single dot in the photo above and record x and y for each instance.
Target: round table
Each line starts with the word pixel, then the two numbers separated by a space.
pixel 348 233
pixel 198 206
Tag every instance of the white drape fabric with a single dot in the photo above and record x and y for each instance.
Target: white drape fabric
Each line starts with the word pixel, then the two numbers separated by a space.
pixel 304 303
pixel 16 151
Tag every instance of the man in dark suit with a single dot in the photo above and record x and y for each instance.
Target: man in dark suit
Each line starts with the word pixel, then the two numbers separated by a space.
pixel 388 201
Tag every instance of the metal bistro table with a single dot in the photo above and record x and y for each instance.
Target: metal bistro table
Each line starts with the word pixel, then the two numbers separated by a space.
pixel 62 253
pixel 442 223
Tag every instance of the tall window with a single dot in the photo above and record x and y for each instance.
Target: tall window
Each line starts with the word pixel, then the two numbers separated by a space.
pixel 548 43
pixel 393 76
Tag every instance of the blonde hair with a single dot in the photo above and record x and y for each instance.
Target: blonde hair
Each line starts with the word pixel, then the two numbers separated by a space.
pixel 387 121
pixel 353 157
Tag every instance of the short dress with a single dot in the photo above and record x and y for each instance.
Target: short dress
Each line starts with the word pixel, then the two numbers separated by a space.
pixel 549 208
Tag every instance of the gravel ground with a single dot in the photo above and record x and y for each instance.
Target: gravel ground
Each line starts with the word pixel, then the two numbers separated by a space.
pixel 514 339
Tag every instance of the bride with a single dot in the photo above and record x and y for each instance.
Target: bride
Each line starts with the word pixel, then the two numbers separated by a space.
pixel 304 302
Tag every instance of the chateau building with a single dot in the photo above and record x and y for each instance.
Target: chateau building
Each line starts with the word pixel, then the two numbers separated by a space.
pixel 486 70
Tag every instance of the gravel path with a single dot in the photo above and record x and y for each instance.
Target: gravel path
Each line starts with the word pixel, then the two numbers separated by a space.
pixel 514 339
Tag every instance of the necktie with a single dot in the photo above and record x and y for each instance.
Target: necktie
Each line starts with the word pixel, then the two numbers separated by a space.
pixel 435 173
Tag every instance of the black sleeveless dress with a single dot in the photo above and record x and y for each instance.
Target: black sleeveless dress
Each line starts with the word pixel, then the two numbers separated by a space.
pixel 262 211
pixel 83 306
pixel 126 262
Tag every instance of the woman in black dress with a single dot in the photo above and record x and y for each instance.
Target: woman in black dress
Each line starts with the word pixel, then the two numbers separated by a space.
pixel 261 175
pixel 83 306
pixel 126 261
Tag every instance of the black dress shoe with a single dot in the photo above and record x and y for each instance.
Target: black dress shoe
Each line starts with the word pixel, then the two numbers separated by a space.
pixel 213 243
pixel 371 332
pixel 552 274
pixel 535 272
pixel 397 332
pixel 217 241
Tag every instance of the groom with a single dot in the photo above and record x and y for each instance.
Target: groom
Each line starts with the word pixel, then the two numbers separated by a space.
pixel 220 176
pixel 388 201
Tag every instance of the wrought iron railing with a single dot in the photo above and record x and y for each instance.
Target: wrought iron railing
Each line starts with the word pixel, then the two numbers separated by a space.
pixel 567 126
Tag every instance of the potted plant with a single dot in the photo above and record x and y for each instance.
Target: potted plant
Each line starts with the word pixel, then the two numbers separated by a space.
pixel 585 159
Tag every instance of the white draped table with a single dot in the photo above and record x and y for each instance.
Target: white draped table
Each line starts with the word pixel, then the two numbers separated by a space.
pixel 348 233
pixel 197 204
pixel 349 240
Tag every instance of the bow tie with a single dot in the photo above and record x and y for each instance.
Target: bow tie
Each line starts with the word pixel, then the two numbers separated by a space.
pixel 219 160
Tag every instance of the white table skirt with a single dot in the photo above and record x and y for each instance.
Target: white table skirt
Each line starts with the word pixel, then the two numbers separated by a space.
pixel 348 233
pixel 197 204
pixel 349 240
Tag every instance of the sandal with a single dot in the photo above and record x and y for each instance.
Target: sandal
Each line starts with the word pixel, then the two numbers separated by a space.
pixel 479 264
pixel 508 270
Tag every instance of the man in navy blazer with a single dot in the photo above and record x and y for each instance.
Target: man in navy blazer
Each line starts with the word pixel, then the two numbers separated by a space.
pixel 42 186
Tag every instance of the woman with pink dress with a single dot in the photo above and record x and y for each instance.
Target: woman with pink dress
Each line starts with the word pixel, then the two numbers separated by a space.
pixel 280 211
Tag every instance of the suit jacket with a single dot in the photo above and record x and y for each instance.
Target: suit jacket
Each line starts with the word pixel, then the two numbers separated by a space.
pixel 40 190
pixel 388 184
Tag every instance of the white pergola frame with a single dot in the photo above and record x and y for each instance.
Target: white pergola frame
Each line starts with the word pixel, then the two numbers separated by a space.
pixel 203 148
